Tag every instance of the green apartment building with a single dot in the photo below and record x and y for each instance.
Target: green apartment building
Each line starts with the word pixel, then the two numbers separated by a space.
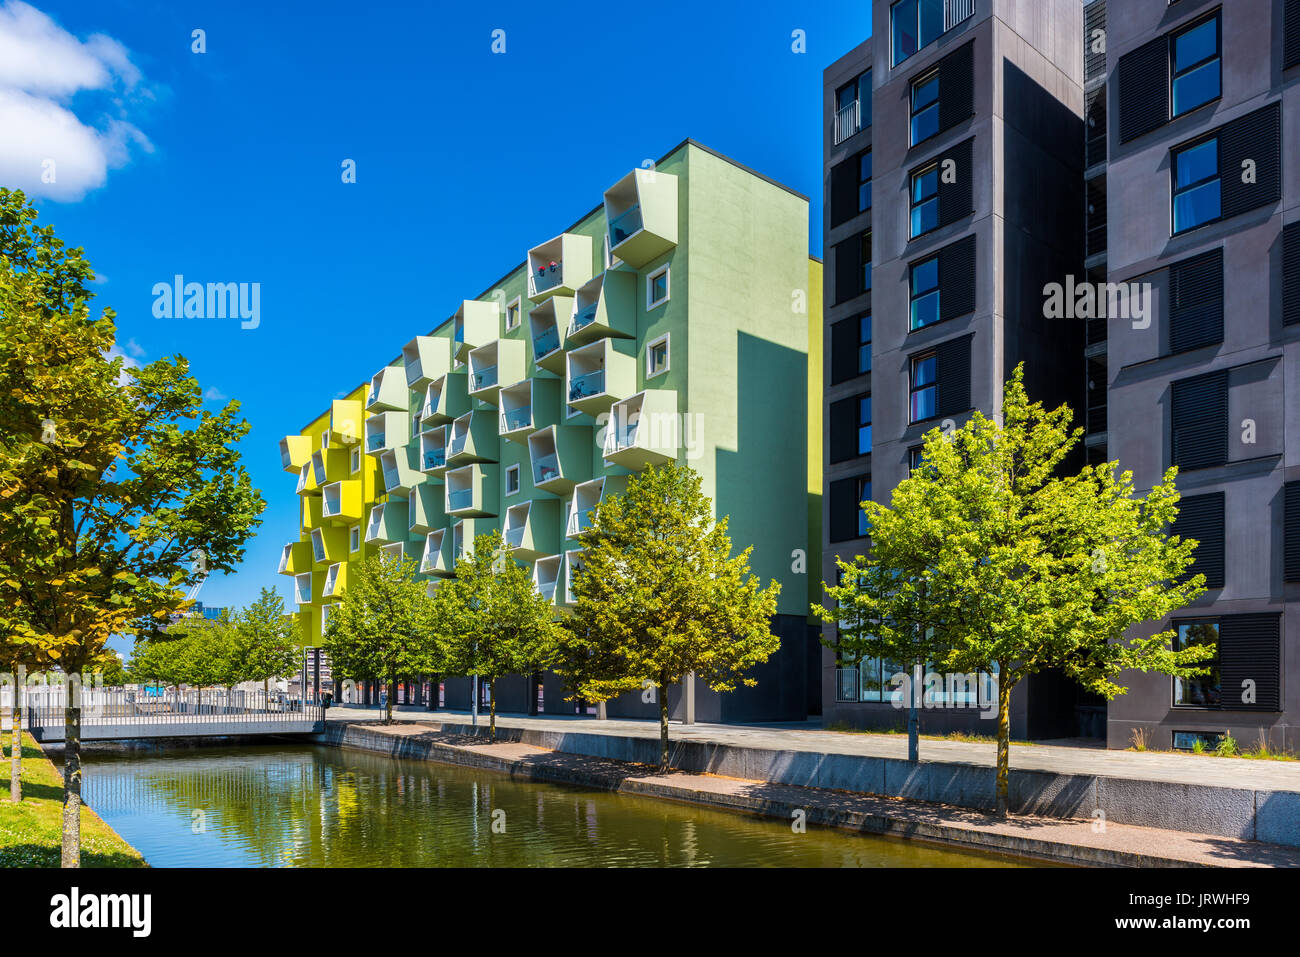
pixel 679 320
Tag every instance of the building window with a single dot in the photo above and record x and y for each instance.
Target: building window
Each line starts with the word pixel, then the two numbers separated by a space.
pixel 415 425
pixel 922 396
pixel 853 267
pixel 1197 66
pixel 925 292
pixel 1202 691
pixel 864 344
pixel 925 200
pixel 864 425
pixel 864 495
pixel 925 107
pixel 656 357
pixel 325 440
pixel 864 182
pixel 656 287
pixel 853 107
pixel 356 460
pixel 354 538
pixel 915 457
pixel 865 260
pixel 916 24
pixel 512 479
pixel 1197 192
pixel 513 313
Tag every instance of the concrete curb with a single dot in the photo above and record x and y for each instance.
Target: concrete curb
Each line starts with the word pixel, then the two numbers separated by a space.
pixel 817 803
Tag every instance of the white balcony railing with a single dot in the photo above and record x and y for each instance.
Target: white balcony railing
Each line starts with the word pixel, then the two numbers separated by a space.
pixel 848 120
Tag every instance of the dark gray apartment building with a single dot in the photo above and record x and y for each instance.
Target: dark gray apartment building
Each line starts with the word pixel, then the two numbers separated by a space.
pixel 977 150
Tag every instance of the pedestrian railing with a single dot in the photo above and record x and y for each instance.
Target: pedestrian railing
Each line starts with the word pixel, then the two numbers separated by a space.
pixel 45 708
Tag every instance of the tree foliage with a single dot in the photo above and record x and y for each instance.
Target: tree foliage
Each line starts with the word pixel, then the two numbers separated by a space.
pixel 659 595
pixel 383 629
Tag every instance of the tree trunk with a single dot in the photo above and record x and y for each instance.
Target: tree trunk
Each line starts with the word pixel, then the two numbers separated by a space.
pixel 388 701
pixel 1004 741
pixel 913 716
pixel 663 721
pixel 72 786
pixel 492 709
pixel 16 763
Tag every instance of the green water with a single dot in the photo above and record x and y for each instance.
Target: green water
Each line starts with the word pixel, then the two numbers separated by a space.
pixel 309 806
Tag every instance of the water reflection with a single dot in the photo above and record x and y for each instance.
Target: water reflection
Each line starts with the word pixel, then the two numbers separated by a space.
pixel 272 806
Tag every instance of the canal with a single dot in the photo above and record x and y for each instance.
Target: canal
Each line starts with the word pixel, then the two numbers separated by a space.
pixel 314 806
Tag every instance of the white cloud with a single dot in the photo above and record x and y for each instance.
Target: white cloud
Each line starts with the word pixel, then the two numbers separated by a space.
pixel 128 361
pixel 215 395
pixel 47 149
pixel 134 349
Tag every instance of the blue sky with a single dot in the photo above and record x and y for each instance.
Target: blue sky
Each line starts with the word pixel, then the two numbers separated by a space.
pixel 225 166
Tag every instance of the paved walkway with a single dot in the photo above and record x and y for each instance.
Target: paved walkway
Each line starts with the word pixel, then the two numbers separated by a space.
pixel 809 737
pixel 1069 841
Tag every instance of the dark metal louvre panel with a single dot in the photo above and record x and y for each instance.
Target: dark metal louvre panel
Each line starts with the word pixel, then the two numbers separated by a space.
pixel 1256 136
pixel 844 508
pixel 956 199
pixel 848 269
pixel 952 376
pixel 1095 124
pixel 844 350
pixel 1200 421
pixel 1201 517
pixel 1094 19
pixel 1291 35
pixel 1250 651
pixel 1291 274
pixel 844 190
pixel 844 429
pixel 957 278
pixel 957 86
pixel 1143 89
pixel 1291 532
pixel 1095 216
pixel 1196 301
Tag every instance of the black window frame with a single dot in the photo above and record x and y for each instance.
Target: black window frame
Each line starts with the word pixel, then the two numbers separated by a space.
pixel 864 343
pixel 1174 74
pixel 864 526
pixel 1175 191
pixel 864 425
pixel 864 156
pixel 864 102
pixel 913 112
pixel 913 388
pixel 914 297
pixel 1215 663
pixel 931 199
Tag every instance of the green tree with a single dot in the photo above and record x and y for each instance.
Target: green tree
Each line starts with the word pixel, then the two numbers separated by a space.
pixel 1027 568
pixel 113 672
pixel 383 629
pixel 266 640
pixel 659 596
pixel 113 505
pixel 492 620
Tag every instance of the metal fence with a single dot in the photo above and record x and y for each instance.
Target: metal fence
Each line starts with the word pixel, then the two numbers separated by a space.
pixel 45 707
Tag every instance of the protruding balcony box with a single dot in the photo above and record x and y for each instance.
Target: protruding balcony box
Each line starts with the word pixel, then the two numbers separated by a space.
pixel 606 306
pixel 546 575
pixel 641 213
pixel 388 522
pixel 302 591
pixel 328 545
pixel 560 457
pixel 295 452
pixel 307 484
pixel 433 452
pixel 599 375
pixel 387 430
pixel 310 514
pixel 548 326
pixel 474 491
pixel 341 502
pixel 437 559
pixel 558 266
pixel 406 548
pixel 425 358
pixel 347 420
pixel 336 581
pixel 331 465
pixel 499 363
pixel 426 511
pixel 532 529
pixel 528 406
pixel 397 467
pixel 473 438
pixel 643 430
pixel 475 324
pixel 586 497
pixel 388 391
pixel 445 398
pixel 572 565
pixel 465 532
pixel 295 558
